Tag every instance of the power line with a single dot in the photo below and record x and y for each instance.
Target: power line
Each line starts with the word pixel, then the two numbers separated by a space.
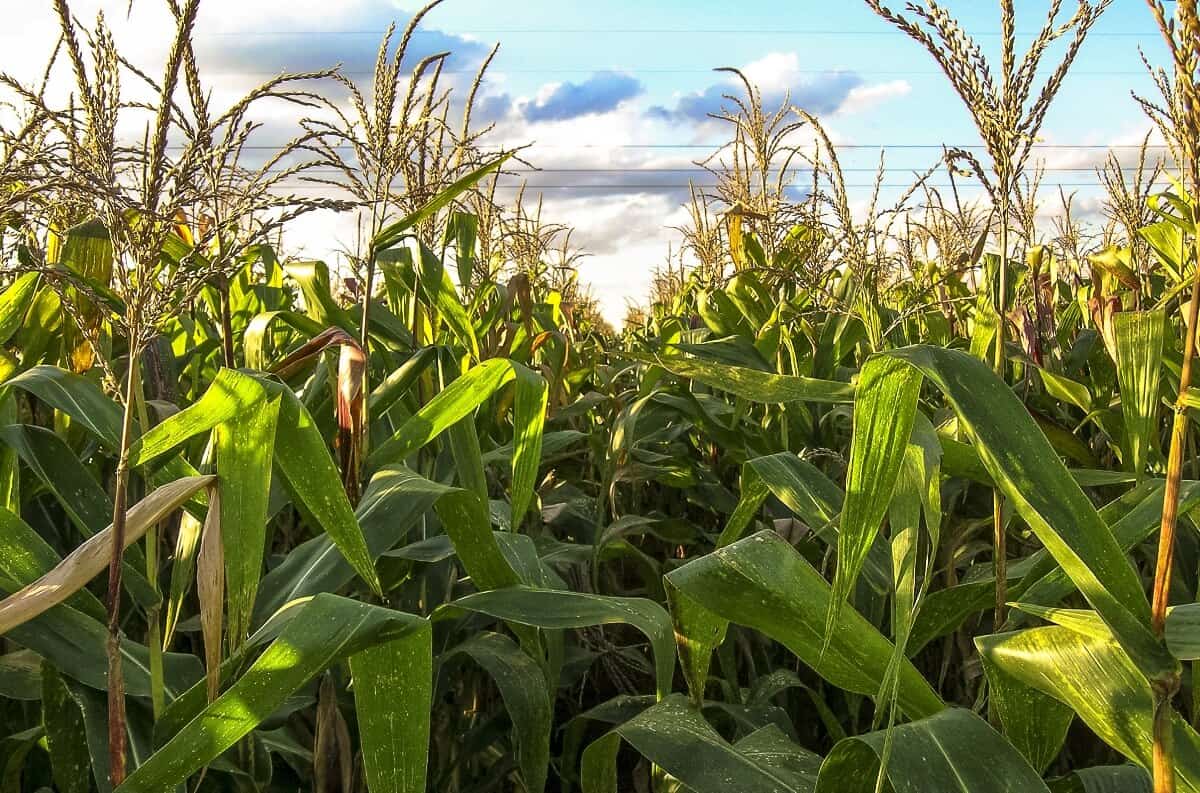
pixel 682 70
pixel 775 172
pixel 642 32
pixel 714 146
pixel 637 187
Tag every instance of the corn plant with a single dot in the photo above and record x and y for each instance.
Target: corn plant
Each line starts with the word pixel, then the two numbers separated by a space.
pixel 432 525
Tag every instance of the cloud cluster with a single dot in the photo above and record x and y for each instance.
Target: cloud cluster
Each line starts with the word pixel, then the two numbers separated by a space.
pixel 600 93
pixel 780 79
pixel 288 41
pixel 819 95
pixel 778 76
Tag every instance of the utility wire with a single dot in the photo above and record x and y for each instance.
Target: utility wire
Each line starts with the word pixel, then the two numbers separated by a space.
pixel 715 146
pixel 683 70
pixel 637 187
pixel 704 171
pixel 642 32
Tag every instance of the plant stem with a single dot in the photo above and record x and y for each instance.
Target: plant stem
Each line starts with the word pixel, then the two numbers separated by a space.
pixel 378 213
pixel 116 683
pixel 226 325
pixel 999 539
pixel 153 613
pixel 1170 513
pixel 1163 762
pixel 1164 774
pixel 365 333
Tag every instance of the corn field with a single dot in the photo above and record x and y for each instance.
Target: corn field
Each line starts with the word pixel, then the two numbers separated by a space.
pixel 903 499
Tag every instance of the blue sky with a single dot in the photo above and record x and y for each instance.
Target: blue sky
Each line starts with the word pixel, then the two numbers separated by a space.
pixel 626 85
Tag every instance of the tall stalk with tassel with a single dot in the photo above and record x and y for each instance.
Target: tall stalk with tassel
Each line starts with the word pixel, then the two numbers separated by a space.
pixel 1178 119
pixel 1008 117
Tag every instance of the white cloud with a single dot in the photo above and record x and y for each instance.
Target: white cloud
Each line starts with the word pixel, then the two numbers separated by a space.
pixel 866 97
pixel 775 72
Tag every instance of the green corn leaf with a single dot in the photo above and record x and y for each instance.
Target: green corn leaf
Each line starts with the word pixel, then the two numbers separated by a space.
pixel 451 405
pixel 40 337
pixel 21 675
pixel 92 707
pixel 1183 631
pixel 463 441
pixel 319 303
pixel 444 297
pixel 48 456
pixel 732 350
pixel 183 572
pixel 65 580
pixel 1083 621
pixel 555 609
pixel 257 338
pixel 675 737
pixel 1139 336
pixel 904 518
pixel 811 495
pixel 66 735
pixel 87 254
pixel 79 494
pixel 884 409
pixel 1133 517
pixel 917 494
pixel 1095 678
pixel 390 654
pixel 984 333
pixel 553 444
pixel 78 397
pixel 951 752
pixel 392 697
pixel 81 399
pixel 462 230
pixel 698 632
pixel 25 557
pixel 458 400
pixel 771 749
pixel 1034 723
pixel 311 477
pixel 797 483
pixel 753 491
pixel 230 395
pixel 15 302
pixel 75 643
pixel 243 447
pixel 1167 240
pixel 16 750
pixel 467 519
pixel 1033 478
pixel 10 464
pixel 1104 779
pixel 393 387
pixel 394 500
pixel 523 688
pixel 763 583
pixel 392 234
pixel 750 384
pixel 529 416
pixel 1066 390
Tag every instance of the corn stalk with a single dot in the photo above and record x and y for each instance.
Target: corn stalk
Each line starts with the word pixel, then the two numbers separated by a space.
pixel 1179 121
pixel 1008 118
